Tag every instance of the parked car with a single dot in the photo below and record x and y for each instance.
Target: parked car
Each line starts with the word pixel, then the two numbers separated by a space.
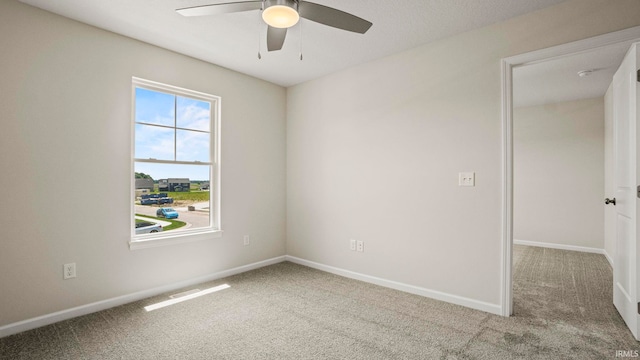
pixel 146 227
pixel 167 213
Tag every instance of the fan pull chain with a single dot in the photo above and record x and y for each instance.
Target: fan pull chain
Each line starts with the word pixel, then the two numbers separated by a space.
pixel 259 38
pixel 300 26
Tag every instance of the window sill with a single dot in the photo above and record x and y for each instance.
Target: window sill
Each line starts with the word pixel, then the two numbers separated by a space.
pixel 149 242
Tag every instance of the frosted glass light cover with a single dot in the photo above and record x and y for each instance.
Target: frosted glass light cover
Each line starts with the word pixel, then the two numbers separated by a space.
pixel 280 16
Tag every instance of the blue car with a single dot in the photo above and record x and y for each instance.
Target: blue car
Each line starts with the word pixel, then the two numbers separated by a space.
pixel 167 213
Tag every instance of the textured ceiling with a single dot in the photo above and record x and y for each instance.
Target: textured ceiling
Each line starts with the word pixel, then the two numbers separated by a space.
pixel 233 40
pixel 557 80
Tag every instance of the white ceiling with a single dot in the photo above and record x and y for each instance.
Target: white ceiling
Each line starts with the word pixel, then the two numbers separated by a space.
pixel 233 40
pixel 557 80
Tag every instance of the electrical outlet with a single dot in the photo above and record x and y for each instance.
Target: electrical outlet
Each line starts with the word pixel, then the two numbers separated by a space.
pixel 352 245
pixel 466 179
pixel 69 271
pixel 360 245
pixel 247 240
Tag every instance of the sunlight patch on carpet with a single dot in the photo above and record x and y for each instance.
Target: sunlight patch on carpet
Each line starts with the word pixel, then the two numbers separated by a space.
pixel 186 297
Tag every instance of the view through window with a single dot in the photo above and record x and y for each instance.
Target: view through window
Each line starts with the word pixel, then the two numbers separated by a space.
pixel 174 161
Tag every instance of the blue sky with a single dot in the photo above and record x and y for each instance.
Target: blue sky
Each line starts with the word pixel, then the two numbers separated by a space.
pixel 162 143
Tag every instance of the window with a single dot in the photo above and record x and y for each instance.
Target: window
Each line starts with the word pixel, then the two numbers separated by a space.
pixel 175 163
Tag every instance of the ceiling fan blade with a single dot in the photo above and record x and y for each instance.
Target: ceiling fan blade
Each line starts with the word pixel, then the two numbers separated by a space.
pixel 215 9
pixel 333 17
pixel 275 38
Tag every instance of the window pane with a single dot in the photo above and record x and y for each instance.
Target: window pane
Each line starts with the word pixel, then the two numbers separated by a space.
pixel 193 114
pixel 154 142
pixel 181 188
pixel 192 146
pixel 154 107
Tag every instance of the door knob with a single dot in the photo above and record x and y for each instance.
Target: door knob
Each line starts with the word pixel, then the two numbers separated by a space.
pixel 610 201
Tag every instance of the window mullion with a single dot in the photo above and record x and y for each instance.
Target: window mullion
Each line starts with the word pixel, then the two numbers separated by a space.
pixel 194 130
pixel 159 161
pixel 175 128
pixel 155 125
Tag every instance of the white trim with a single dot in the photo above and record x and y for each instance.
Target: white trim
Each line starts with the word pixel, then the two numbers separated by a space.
pixel 560 246
pixel 576 47
pixel 62 315
pixel 609 258
pixel 215 220
pixel 507 65
pixel 47 319
pixel 566 247
pixel 170 89
pixel 176 238
pixel 506 291
pixel 438 295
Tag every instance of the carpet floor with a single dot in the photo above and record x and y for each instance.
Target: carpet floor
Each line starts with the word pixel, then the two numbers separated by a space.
pixel 562 310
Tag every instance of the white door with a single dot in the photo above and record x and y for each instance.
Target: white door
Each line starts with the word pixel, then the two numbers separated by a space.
pixel 625 262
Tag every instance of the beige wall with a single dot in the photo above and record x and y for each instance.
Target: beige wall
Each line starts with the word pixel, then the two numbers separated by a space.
pixel 65 147
pixel 373 154
pixel 559 174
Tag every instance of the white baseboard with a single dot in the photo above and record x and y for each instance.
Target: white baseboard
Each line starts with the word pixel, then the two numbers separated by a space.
pixel 454 299
pixel 609 258
pixel 560 246
pixel 48 319
pixel 566 247
pixel 43 320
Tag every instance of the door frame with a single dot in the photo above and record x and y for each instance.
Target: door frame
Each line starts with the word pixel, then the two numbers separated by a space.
pixel 507 65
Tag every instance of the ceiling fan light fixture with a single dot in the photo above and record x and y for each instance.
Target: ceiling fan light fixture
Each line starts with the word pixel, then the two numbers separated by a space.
pixel 280 16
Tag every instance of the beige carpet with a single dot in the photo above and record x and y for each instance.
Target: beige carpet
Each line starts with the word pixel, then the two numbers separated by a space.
pixel 562 300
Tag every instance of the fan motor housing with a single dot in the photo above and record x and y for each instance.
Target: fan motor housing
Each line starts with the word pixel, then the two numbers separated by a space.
pixel 290 3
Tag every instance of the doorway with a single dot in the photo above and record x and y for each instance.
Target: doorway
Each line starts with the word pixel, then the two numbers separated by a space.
pixel 508 66
pixel 558 149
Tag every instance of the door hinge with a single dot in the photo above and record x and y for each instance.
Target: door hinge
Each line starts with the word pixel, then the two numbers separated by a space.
pixel 638 308
pixel 638 75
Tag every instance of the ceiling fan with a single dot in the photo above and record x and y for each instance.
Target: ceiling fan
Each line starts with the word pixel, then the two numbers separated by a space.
pixel 283 14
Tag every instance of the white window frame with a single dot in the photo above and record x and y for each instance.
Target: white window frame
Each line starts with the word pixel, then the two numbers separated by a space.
pixel 174 237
